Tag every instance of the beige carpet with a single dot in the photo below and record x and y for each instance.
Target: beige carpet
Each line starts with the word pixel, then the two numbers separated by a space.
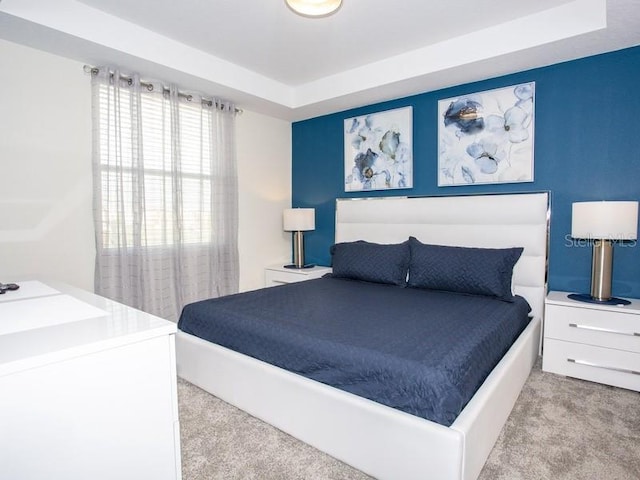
pixel 560 429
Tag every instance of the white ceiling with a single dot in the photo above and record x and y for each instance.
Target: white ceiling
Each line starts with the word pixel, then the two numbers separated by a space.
pixel 267 59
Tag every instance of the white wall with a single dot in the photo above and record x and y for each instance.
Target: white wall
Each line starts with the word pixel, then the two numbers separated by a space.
pixel 45 160
pixel 46 219
pixel 264 171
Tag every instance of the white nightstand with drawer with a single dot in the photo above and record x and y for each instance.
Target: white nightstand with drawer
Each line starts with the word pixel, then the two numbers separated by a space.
pixel 278 274
pixel 595 342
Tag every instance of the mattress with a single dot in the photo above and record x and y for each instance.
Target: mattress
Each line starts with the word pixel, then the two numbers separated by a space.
pixel 420 351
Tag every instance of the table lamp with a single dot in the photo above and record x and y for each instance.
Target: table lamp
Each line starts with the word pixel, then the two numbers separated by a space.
pixel 603 223
pixel 298 220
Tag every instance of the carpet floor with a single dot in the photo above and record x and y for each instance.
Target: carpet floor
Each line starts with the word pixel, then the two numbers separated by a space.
pixel 559 429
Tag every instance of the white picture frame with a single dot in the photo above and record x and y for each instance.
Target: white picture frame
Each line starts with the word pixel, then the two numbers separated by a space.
pixel 378 151
pixel 487 137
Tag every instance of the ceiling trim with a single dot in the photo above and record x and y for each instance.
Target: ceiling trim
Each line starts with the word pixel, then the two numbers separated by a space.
pixel 97 35
pixel 524 33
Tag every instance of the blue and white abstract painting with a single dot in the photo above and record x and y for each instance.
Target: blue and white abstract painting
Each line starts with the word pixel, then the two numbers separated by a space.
pixel 487 137
pixel 378 151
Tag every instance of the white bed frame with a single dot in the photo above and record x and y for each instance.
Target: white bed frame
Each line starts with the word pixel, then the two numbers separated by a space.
pixel 381 441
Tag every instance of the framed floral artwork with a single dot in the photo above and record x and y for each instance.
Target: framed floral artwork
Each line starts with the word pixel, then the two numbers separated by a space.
pixel 487 137
pixel 378 151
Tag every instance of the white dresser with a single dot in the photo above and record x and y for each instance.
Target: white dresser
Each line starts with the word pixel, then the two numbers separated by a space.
pixel 87 388
pixel 594 342
pixel 278 274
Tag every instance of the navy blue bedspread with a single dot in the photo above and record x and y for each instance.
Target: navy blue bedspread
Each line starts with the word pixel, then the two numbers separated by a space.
pixel 423 352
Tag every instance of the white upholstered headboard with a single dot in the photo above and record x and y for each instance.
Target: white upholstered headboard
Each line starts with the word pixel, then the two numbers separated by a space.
pixel 490 221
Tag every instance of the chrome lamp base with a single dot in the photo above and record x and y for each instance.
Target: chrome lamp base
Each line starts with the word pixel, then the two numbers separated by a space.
pixel 601 268
pixel 298 253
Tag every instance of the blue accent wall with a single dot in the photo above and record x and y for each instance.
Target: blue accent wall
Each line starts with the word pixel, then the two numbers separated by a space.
pixel 587 147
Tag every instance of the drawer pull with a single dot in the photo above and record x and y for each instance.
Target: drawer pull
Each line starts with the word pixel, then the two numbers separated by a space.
pixel 590 364
pixel 607 330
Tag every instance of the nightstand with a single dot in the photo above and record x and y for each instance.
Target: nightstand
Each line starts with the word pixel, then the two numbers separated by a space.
pixel 600 343
pixel 277 274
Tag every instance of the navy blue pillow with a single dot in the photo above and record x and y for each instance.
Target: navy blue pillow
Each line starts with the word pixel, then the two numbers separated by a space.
pixel 371 262
pixel 476 271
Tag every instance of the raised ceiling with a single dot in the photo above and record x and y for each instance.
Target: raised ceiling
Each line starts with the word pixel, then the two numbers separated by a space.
pixel 265 58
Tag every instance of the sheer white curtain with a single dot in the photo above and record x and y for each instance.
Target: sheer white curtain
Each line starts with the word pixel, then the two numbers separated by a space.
pixel 165 194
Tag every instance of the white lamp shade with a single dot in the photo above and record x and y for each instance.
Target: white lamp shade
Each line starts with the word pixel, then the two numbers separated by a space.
pixel 605 220
pixel 314 8
pixel 299 219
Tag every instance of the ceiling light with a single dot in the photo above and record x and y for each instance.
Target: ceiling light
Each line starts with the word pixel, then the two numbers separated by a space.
pixel 314 8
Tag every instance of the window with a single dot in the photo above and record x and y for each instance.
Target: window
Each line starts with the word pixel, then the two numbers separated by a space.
pixel 162 186
pixel 165 194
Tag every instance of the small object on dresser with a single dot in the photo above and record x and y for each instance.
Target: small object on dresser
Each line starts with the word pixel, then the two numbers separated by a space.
pixel 8 286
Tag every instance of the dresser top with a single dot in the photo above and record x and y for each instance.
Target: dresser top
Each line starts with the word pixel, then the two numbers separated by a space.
pixel 43 323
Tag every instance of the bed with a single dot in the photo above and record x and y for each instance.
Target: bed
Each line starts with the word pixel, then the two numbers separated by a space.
pixel 382 441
